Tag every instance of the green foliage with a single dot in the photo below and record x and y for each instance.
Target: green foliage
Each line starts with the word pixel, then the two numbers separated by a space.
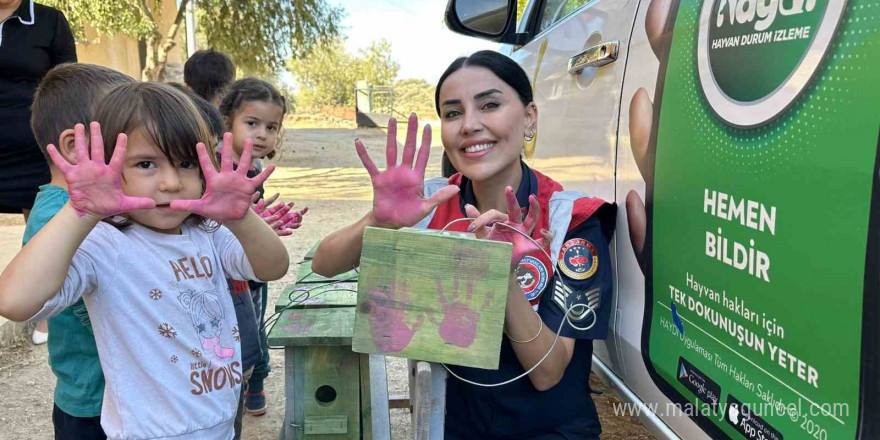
pixel 520 7
pixel 106 17
pixel 327 75
pixel 415 95
pixel 259 35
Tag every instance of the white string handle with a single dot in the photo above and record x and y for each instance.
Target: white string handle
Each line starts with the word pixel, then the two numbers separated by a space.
pixel 506 226
pixel 565 319
pixel 555 340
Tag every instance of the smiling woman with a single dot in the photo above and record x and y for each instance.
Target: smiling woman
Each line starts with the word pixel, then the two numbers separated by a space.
pixel 486 111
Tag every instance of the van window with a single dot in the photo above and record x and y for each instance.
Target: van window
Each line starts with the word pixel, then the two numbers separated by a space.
pixel 555 10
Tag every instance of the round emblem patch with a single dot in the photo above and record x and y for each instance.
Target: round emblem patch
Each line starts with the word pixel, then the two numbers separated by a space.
pixel 578 259
pixel 532 277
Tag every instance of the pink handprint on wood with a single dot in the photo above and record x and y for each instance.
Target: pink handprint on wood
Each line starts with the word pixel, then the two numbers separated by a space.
pixel 459 325
pixel 391 333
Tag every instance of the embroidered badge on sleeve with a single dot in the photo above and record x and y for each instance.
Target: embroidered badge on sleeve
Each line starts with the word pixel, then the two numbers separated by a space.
pixel 564 297
pixel 578 259
pixel 532 277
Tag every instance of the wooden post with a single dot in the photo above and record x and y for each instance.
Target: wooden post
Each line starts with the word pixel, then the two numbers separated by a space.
pixel 420 398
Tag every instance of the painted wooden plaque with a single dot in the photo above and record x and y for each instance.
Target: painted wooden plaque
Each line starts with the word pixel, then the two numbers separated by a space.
pixel 431 296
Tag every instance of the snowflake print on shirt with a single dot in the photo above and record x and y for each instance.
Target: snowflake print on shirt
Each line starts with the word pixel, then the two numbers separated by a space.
pixel 155 294
pixel 167 330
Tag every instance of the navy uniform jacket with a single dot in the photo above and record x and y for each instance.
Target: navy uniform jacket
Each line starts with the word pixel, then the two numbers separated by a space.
pixel 580 274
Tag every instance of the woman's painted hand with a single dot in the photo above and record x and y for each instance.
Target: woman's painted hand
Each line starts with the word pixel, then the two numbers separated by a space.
pixel 95 187
pixel 498 226
pixel 228 192
pixel 398 192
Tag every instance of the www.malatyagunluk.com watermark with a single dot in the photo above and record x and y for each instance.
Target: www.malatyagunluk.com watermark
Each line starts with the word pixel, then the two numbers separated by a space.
pixel 793 410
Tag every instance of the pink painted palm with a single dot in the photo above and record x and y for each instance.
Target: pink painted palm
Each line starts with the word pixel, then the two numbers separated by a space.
pixel 228 193
pixel 95 187
pixel 522 246
pixel 280 216
pixel 398 192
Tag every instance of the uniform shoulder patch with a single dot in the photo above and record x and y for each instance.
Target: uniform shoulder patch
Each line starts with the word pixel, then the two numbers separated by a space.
pixel 566 299
pixel 532 276
pixel 578 259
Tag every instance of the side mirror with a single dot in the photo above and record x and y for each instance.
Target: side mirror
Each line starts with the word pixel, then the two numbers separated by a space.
pixel 493 20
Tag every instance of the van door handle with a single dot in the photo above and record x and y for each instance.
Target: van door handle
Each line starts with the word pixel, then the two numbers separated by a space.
pixel 595 56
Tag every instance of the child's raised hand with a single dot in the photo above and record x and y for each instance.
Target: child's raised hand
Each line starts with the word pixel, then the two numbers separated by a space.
pixel 279 216
pixel 228 192
pixel 487 226
pixel 96 187
pixel 398 192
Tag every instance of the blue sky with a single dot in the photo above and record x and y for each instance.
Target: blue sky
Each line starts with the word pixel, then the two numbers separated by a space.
pixel 420 41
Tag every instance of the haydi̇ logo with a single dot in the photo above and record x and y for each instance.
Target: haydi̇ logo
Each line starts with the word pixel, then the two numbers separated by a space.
pixel 755 57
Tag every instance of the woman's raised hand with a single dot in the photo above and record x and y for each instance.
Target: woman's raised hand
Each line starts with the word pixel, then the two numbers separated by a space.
pixel 95 187
pixel 398 192
pixel 487 226
pixel 228 192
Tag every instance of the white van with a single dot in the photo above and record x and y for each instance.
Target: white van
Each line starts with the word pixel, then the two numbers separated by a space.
pixel 740 139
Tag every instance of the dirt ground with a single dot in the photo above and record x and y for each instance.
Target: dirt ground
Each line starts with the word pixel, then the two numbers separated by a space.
pixel 318 168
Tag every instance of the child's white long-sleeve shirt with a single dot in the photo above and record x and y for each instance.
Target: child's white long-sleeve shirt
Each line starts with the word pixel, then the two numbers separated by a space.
pixel 165 328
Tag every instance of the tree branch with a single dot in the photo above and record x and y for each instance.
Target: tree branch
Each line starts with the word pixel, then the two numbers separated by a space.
pixel 146 11
pixel 169 42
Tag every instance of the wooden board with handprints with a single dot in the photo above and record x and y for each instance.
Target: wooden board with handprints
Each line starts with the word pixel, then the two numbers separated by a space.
pixel 432 296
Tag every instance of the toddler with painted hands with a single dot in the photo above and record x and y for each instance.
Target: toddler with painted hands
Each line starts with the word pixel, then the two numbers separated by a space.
pixel 148 241
pixel 253 110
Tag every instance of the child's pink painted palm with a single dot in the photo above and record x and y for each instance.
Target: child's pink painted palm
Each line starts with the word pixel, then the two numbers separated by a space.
pixel 228 192
pixel 398 192
pixel 459 324
pixel 96 187
pixel 280 216
pixel 388 319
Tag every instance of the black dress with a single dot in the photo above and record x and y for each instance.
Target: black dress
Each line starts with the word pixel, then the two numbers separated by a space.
pixel 33 39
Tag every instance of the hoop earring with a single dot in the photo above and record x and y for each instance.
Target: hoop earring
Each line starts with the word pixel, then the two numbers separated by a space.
pixel 529 141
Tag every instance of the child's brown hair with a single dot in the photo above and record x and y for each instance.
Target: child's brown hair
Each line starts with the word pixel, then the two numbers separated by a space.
pixel 253 89
pixel 68 96
pixel 169 119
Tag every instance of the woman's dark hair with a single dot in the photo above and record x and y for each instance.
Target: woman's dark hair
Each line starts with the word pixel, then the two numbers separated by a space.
pixel 247 90
pixel 502 66
pixel 170 120
pixel 208 72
